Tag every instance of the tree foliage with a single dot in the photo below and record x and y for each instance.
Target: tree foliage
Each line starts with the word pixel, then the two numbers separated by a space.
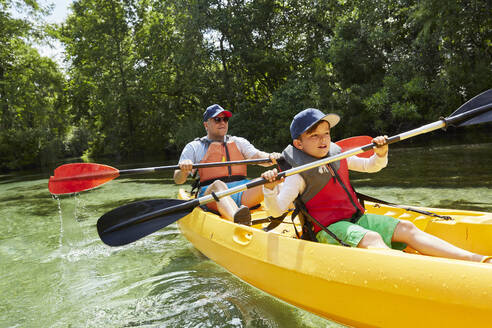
pixel 141 72
pixel 33 106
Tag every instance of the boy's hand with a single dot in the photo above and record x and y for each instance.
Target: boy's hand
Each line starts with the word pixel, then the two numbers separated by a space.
pixel 382 147
pixel 271 175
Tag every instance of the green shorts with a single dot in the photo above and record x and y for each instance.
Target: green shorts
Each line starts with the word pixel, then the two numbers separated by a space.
pixel 352 234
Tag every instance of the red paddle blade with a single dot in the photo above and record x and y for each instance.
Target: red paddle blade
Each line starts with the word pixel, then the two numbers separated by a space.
pixel 77 177
pixel 356 142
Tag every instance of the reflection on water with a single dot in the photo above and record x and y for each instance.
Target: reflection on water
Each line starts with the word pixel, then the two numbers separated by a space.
pixel 56 272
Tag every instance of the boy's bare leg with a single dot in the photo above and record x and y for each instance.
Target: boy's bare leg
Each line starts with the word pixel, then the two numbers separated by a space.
pixel 428 244
pixel 372 239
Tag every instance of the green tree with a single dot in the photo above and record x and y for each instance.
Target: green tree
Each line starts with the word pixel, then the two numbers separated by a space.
pixel 173 72
pixel 33 107
pixel 98 36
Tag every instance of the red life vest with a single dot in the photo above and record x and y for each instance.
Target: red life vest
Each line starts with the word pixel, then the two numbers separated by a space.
pixel 328 195
pixel 336 201
pixel 221 152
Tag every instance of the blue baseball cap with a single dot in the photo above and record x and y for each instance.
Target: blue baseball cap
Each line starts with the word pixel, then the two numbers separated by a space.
pixel 213 111
pixel 309 117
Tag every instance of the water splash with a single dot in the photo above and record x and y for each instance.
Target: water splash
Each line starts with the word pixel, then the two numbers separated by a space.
pixel 60 237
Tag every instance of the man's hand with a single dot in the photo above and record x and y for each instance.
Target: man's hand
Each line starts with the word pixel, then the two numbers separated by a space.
pixel 273 157
pixel 186 166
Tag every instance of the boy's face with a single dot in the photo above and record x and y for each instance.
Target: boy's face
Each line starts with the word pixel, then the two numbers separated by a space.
pixel 315 143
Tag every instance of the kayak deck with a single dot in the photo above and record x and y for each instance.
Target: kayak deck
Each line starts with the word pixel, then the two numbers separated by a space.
pixel 470 230
pixel 359 287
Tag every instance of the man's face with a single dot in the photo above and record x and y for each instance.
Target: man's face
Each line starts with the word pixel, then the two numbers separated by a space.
pixel 217 126
pixel 315 143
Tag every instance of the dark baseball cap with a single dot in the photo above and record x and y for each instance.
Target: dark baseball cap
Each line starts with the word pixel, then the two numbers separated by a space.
pixel 213 111
pixel 309 117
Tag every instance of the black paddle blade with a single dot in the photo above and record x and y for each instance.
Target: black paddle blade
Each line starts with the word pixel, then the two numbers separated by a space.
pixel 119 227
pixel 483 100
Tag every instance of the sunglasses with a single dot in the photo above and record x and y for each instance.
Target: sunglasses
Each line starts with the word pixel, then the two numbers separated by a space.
pixel 222 118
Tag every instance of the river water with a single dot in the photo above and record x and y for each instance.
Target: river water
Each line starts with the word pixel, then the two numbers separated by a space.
pixel 55 271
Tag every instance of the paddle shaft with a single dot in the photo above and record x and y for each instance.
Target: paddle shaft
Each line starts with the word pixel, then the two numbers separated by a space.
pixel 195 166
pixel 117 173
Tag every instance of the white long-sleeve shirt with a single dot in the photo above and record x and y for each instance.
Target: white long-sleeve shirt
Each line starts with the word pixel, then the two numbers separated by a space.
pixel 278 200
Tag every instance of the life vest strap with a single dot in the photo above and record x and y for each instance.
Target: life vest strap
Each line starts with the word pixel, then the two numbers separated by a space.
pixel 307 228
pixel 274 221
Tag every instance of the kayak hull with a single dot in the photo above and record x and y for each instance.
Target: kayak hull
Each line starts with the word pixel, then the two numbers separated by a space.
pixel 356 287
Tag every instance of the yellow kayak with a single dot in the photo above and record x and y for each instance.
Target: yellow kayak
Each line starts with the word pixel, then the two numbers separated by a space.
pixel 359 287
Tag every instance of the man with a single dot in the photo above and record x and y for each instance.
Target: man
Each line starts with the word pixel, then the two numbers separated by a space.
pixel 217 146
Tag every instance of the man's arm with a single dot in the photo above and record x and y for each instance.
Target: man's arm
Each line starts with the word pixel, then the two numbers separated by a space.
pixel 272 156
pixel 186 161
pixel 251 152
pixel 185 168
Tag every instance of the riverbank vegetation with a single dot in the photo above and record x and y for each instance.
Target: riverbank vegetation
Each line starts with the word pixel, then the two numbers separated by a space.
pixel 139 73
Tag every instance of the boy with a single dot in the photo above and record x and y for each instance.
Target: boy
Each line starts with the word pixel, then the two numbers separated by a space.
pixel 329 198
